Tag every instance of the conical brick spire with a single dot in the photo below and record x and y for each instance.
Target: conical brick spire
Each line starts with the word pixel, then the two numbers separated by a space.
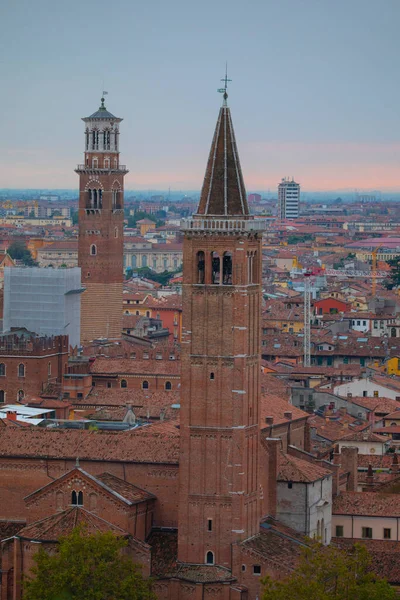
pixel 223 191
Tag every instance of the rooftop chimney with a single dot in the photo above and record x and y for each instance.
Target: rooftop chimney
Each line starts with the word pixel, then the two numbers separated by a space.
pixel 269 420
pixel 288 414
pixel 11 415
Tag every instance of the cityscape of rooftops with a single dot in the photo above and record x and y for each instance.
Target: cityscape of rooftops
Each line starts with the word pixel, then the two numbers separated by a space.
pixel 200 300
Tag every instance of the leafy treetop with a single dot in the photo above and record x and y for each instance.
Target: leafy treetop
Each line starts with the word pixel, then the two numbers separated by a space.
pixel 329 573
pixel 87 567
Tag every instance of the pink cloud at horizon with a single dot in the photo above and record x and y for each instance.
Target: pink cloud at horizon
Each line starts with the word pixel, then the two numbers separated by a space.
pixel 315 165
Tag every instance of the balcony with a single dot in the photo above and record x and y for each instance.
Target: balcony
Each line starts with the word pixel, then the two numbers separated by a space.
pixel 89 169
pixel 223 224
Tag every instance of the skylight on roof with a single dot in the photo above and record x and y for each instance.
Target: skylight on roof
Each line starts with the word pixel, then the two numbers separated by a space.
pixel 362 339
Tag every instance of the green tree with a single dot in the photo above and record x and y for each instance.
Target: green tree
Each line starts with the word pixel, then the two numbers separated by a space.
pixel 328 573
pixel 162 278
pixel 87 567
pixel 19 251
pixel 75 217
pixel 394 277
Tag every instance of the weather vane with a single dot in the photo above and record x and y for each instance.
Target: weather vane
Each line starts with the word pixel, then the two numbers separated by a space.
pixel 225 81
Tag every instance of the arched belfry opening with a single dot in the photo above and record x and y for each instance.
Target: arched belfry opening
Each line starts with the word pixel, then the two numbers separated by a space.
pixel 215 268
pixel 227 268
pixel 201 267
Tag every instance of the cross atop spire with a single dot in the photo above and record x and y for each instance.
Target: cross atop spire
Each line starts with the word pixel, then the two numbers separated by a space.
pixel 225 80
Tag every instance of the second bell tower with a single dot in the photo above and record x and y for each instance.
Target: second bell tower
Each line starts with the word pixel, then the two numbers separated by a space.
pixel 101 221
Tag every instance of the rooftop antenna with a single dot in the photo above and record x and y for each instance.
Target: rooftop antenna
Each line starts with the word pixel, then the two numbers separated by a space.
pixel 225 80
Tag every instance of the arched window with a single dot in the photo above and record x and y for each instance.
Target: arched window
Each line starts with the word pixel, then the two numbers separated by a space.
pixel 133 260
pixel 77 498
pixel 168 385
pixel 201 266
pixel 20 395
pixel 227 268
pixel 393 332
pixel 210 558
pixel 95 163
pixel 124 383
pixel 212 376
pixel 144 260
pixel 2 396
pixel 93 250
pixel 145 385
pixel 2 369
pixel 21 370
pixel 49 369
pixel 215 268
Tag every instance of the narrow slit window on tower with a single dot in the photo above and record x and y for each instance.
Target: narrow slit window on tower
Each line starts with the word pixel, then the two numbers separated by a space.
pixel 215 268
pixel 93 250
pixel 100 199
pixel 212 376
pixel 227 268
pixel 201 265
pixel 209 524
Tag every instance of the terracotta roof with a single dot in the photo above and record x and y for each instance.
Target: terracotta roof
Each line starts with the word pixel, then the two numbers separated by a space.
pixel 145 403
pixel 336 428
pixel 223 191
pixel 275 406
pixel 372 504
pixel 384 554
pixel 378 405
pixel 276 544
pixel 291 468
pixel 366 435
pixel 130 492
pixel 157 443
pixel 51 528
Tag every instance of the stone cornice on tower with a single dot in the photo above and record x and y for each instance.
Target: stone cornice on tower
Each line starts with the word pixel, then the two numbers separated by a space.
pixel 223 192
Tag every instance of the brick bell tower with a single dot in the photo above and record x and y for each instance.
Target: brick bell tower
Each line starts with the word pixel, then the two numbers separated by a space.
pixel 101 220
pixel 220 384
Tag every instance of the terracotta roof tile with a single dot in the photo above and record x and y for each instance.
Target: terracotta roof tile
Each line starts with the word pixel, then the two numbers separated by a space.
pixel 291 468
pixel 372 504
pixel 51 528
pixel 151 444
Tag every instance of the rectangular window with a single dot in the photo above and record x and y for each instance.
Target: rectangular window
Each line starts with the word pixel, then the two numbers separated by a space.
pixel 257 569
pixel 339 530
pixel 387 534
pixel 209 524
pixel 367 533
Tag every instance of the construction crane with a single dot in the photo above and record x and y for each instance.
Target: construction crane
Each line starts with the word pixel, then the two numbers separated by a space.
pixel 374 268
pixel 307 320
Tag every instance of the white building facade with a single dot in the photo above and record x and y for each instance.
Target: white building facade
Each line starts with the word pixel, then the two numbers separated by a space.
pixel 288 199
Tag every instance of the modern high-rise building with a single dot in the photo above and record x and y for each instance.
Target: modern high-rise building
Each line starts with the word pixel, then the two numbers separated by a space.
pixel 288 199
pixel 101 221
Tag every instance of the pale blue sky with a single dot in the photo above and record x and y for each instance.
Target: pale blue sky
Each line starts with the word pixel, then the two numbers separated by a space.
pixel 315 91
